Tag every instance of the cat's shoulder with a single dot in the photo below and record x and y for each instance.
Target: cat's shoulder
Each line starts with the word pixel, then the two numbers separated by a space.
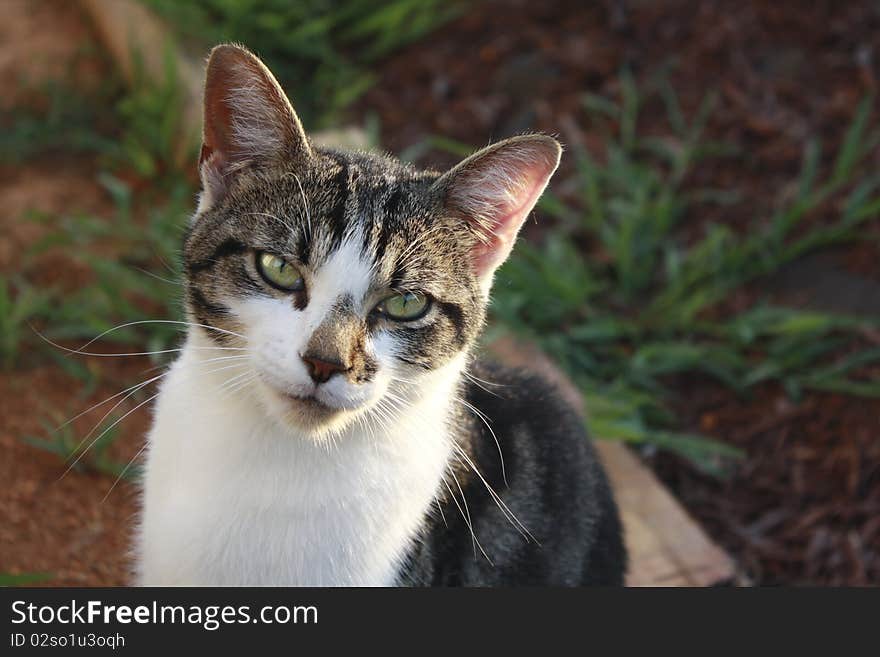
pixel 525 413
pixel 511 395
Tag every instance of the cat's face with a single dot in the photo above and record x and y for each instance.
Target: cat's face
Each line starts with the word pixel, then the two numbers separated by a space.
pixel 353 281
pixel 341 288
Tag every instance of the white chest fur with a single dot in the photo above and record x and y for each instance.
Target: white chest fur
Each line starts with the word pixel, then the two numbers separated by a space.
pixel 231 498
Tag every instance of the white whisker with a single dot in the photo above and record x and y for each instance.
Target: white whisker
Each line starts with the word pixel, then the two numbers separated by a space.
pixel 498 501
pixel 466 515
pixel 305 203
pixel 154 321
pixel 80 453
pixel 157 277
pixel 79 351
pixel 485 421
pixel 124 470
pixel 100 435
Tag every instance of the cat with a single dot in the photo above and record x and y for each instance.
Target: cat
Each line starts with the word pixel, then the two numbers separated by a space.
pixel 326 423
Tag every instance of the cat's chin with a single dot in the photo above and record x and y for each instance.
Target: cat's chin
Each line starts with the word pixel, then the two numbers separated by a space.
pixel 310 410
pixel 306 414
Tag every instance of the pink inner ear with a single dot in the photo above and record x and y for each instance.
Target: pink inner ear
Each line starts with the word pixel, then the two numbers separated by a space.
pixel 488 256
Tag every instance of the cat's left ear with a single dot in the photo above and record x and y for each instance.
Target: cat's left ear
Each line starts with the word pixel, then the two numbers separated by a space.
pixel 494 190
pixel 248 121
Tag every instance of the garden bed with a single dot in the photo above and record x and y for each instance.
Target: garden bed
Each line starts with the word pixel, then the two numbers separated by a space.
pixel 801 507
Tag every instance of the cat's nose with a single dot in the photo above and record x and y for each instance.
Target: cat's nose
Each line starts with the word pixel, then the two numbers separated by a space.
pixel 321 370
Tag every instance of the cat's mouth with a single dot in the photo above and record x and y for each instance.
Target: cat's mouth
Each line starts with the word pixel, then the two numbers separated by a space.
pixel 310 413
pixel 308 409
pixel 310 402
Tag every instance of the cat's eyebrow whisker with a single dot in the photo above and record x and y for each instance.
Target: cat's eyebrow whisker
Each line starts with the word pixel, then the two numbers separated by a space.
pixel 271 216
pixel 305 202
pixel 402 259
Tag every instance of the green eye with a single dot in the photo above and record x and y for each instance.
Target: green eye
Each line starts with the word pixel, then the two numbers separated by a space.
pixel 405 307
pixel 280 273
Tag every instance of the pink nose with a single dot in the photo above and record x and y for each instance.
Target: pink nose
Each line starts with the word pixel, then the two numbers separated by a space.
pixel 321 370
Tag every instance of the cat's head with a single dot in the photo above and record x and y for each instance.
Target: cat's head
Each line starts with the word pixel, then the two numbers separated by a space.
pixel 352 280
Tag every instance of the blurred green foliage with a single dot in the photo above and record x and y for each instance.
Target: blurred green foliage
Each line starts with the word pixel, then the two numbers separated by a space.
pixel 652 306
pixel 24 579
pixel 322 51
pixel 89 454
pixel 135 129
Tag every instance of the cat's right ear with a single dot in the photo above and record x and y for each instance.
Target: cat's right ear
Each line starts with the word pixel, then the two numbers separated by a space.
pixel 248 121
pixel 494 190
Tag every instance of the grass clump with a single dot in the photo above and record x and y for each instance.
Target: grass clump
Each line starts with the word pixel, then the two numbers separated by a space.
pixel 89 454
pixel 324 50
pixel 651 306
pixel 24 579
pixel 138 281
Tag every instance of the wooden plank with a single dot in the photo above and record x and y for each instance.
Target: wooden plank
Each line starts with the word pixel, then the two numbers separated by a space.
pixel 666 546
pixel 139 43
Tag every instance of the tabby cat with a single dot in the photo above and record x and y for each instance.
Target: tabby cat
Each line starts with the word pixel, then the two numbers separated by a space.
pixel 326 423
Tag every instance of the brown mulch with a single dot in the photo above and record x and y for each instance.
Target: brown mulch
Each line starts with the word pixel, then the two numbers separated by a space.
pixel 783 73
pixel 804 508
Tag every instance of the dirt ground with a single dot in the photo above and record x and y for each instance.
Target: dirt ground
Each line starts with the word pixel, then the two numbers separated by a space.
pixel 805 505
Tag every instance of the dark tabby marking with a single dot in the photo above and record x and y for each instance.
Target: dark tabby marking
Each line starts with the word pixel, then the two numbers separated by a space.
pixel 554 486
